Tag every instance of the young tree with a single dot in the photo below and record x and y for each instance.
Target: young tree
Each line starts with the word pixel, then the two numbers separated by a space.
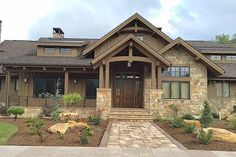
pixel 206 117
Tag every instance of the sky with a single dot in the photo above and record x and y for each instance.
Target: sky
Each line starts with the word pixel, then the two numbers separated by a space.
pixel 188 19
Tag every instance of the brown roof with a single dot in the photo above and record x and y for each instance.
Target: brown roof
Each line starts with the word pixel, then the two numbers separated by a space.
pixel 210 45
pixel 229 69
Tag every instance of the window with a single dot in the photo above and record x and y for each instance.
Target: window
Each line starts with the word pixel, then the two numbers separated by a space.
pixel 140 37
pixel 231 58
pixel 222 89
pixel 49 50
pixel 176 90
pixel 91 86
pixel 215 57
pixel 177 72
pixel 49 85
pixel 64 50
pixel 16 84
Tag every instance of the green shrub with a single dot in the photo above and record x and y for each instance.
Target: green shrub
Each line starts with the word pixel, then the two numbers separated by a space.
pixel 36 127
pixel 47 110
pixel 206 116
pixel 3 110
pixel 176 122
pixel 55 116
pixel 94 119
pixel 15 110
pixel 189 128
pixel 72 98
pixel 175 109
pixel 205 137
pixel 232 124
pixel 188 116
pixel 215 115
pixel 85 135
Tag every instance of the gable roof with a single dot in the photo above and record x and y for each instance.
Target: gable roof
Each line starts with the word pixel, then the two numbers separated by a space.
pixel 139 42
pixel 122 25
pixel 207 61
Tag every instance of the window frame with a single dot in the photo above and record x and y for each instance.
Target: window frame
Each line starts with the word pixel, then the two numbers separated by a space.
pixel 16 87
pixel 215 57
pixel 230 58
pixel 91 97
pixel 179 86
pixel 49 50
pixel 63 52
pixel 178 73
pixel 222 89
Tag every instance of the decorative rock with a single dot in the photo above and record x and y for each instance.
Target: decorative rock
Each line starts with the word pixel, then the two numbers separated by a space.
pixel 222 135
pixel 69 116
pixel 61 128
pixel 194 122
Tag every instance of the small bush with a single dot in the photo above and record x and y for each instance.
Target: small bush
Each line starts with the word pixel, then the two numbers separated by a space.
pixel 36 127
pixel 206 116
pixel 72 98
pixel 232 124
pixel 215 115
pixel 176 122
pixel 85 135
pixel 47 110
pixel 189 128
pixel 94 119
pixel 188 116
pixel 3 109
pixel 55 116
pixel 15 110
pixel 205 137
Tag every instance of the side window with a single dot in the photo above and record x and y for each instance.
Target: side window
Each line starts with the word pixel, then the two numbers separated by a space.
pixel 91 86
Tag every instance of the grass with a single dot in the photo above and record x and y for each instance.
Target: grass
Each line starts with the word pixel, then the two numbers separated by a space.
pixel 6 132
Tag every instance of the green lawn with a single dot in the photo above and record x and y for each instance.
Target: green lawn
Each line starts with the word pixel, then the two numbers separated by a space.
pixel 6 131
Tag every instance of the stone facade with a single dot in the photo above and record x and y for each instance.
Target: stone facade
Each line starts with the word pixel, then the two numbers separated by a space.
pixel 103 101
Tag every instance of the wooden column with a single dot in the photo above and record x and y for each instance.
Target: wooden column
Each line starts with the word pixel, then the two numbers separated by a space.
pixel 7 87
pixel 159 77
pixel 101 76
pixel 66 85
pixel 153 75
pixel 107 80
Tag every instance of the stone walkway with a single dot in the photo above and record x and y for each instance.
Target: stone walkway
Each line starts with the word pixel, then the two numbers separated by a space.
pixel 138 135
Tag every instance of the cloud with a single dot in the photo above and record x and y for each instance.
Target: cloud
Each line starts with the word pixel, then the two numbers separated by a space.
pixel 90 18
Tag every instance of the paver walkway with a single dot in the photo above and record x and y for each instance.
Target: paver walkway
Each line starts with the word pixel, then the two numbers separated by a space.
pixel 138 135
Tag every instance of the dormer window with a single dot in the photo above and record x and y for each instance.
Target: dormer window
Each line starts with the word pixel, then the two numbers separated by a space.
pixel 215 57
pixel 140 37
pixel 64 50
pixel 49 50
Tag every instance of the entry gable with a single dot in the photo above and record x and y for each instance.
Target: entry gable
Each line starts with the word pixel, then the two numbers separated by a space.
pixel 179 41
pixel 124 43
pixel 134 17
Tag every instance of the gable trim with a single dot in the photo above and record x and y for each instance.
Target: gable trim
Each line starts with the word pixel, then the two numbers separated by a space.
pixel 139 42
pixel 123 24
pixel 179 40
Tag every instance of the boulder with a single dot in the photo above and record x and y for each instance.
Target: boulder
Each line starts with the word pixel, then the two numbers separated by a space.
pixel 222 135
pixel 231 117
pixel 61 128
pixel 194 122
pixel 69 116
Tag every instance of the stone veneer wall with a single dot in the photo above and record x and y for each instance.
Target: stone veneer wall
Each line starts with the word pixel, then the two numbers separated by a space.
pixel 103 101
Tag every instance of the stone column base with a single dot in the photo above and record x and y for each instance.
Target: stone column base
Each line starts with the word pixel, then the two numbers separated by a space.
pixel 103 102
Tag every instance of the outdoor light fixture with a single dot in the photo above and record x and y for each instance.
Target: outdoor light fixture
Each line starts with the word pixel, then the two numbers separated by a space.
pixel 75 81
pixel 129 64
pixel 25 80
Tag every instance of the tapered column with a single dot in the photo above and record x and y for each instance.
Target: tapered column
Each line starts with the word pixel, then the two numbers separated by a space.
pixel 159 77
pixel 101 76
pixel 66 85
pixel 7 87
pixel 107 81
pixel 153 74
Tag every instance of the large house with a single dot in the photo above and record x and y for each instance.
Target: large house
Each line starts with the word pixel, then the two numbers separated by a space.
pixel 135 65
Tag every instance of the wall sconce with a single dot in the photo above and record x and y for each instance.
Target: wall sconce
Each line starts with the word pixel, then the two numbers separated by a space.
pixel 75 81
pixel 129 64
pixel 25 80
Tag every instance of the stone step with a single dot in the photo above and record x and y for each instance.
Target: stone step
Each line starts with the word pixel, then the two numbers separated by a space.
pixel 146 119
pixel 131 113
pixel 131 116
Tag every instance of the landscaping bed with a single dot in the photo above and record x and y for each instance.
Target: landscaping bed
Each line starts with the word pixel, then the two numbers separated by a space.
pixel 71 138
pixel 191 142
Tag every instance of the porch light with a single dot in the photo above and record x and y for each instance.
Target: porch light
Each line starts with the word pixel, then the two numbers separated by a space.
pixel 129 64
pixel 25 80
pixel 75 81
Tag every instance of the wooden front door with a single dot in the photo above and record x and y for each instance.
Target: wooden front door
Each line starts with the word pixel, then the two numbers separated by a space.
pixel 127 90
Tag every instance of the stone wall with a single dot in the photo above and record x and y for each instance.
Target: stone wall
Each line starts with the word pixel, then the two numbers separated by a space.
pixel 103 101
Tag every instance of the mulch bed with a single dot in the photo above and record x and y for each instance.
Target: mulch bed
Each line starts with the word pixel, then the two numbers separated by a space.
pixel 71 138
pixel 191 142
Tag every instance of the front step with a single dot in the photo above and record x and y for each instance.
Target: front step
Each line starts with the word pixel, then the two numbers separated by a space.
pixel 125 114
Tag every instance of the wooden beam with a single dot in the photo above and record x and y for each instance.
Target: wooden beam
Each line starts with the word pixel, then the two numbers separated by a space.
pixel 66 85
pixel 130 51
pixel 153 74
pixel 135 26
pixel 101 76
pixel 159 77
pixel 134 58
pixel 107 80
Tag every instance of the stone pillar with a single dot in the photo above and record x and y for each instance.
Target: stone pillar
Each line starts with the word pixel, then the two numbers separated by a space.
pixel 103 101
